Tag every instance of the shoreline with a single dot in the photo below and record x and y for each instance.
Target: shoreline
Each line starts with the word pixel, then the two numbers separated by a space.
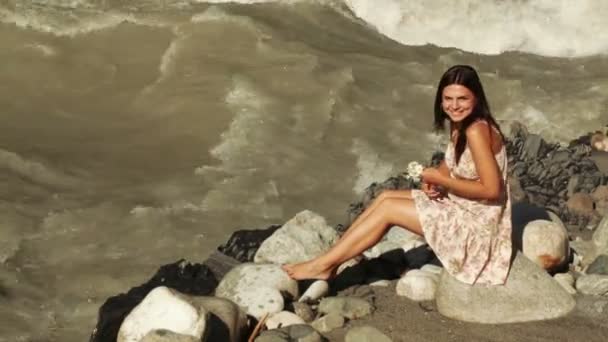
pixel 580 323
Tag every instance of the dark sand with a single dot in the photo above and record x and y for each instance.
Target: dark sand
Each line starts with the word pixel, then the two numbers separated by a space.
pixel 405 320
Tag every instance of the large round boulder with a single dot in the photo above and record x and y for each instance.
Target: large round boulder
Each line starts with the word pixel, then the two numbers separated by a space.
pixel 257 288
pixel 529 294
pixel 302 238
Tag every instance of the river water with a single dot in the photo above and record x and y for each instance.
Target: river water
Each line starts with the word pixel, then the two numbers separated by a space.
pixel 137 132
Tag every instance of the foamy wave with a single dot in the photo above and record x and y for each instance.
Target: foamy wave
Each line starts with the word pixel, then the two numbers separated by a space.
pixel 559 28
pixel 34 171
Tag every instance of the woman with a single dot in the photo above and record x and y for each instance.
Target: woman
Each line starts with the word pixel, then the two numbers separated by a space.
pixel 463 210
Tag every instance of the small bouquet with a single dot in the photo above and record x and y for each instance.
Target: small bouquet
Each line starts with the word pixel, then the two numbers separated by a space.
pixel 414 170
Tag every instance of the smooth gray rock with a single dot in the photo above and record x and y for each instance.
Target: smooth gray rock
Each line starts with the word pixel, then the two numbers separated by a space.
pixel 593 284
pixel 302 238
pixel 328 323
pixel 351 308
pixel 257 288
pixel 292 333
pixel 531 146
pixel 529 294
pixel 599 265
pixel 365 334
pixel 226 321
pixel 303 310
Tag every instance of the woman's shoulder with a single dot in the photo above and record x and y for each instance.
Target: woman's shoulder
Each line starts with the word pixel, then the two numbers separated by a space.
pixel 478 127
pixel 479 130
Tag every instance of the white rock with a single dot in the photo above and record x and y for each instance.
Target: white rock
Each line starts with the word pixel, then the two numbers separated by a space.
pixel 556 219
pixel 546 243
pixel 395 238
pixel 315 291
pixel 378 282
pixel 418 285
pixel 432 269
pixel 257 288
pixel 407 245
pixel 283 319
pixel 381 248
pixel 593 284
pixel 348 263
pixel 302 238
pixel 400 235
pixel 163 308
pixel 566 280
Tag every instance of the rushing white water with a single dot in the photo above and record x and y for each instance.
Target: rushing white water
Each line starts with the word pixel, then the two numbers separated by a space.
pixel 135 133
pixel 560 28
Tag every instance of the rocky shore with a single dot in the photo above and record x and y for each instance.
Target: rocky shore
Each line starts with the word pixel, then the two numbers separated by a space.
pixel 397 291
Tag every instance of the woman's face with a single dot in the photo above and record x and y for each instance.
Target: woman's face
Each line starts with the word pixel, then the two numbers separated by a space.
pixel 458 102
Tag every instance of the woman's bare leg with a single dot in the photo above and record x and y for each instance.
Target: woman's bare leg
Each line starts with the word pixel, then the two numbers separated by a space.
pixel 390 211
pixel 386 194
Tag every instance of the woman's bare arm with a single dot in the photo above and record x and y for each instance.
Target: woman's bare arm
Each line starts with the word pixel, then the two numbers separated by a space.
pixel 489 185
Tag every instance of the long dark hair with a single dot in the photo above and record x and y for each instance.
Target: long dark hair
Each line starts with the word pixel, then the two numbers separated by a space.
pixel 463 75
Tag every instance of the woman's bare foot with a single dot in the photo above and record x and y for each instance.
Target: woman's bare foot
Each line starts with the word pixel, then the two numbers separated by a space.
pixel 308 270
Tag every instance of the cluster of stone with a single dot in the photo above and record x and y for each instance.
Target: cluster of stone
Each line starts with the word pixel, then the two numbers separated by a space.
pixel 243 284
pixel 255 289
pixel 565 180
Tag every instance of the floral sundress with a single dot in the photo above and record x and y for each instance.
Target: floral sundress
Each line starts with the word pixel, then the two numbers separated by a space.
pixel 471 238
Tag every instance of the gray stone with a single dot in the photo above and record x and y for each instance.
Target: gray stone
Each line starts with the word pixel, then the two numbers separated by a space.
pixel 302 238
pixel 592 284
pixel 162 335
pixel 365 334
pixel 328 323
pixel 580 204
pixel 566 280
pixel 600 197
pixel 304 311
pixel 530 294
pixel 257 288
pixel 292 333
pixel 351 308
pixel 531 146
pixel 226 322
pixel 517 192
pixel 599 265
pixel 600 158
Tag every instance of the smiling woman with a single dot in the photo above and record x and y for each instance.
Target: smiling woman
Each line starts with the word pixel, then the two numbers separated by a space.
pixel 468 223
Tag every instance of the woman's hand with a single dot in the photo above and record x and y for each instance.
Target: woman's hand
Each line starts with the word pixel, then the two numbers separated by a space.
pixel 431 191
pixel 431 183
pixel 432 176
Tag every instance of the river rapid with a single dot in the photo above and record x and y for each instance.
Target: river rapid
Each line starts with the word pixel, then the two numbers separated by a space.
pixel 137 132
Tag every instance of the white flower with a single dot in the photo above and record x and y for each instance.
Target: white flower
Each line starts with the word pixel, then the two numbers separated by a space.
pixel 414 170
